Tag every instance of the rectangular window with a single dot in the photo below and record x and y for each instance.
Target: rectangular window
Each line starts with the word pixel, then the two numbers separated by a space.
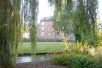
pixel 49 22
pixel 48 33
pixel 43 23
pixel 48 27
pixel 42 28
pixel 42 33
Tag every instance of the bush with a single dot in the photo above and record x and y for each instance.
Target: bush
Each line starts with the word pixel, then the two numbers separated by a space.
pixel 76 61
pixel 81 47
pixel 100 38
pixel 99 59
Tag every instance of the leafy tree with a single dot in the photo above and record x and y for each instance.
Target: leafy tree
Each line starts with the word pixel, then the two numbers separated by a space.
pixel 5 12
pixel 15 28
pixel 62 15
pixel 11 29
pixel 78 16
pixel 32 11
pixel 33 29
pixel 85 21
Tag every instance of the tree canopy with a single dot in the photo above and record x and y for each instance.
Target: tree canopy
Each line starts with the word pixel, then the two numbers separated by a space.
pixel 77 16
pixel 11 21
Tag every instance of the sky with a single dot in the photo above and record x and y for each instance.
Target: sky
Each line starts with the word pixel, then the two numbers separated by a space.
pixel 45 9
pixel 100 8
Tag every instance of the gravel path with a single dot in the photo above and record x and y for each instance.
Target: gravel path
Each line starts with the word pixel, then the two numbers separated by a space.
pixel 40 64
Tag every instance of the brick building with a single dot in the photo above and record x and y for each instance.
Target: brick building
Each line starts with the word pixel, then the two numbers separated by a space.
pixel 45 29
pixel 46 32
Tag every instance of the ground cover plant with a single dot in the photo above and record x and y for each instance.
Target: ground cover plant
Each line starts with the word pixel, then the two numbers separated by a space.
pixel 80 55
pixel 76 61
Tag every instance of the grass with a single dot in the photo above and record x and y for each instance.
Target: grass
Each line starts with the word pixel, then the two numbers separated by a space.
pixel 41 47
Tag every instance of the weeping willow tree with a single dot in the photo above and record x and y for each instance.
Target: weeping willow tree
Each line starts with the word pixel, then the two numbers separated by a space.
pixel 85 21
pixel 5 15
pixel 62 15
pixel 33 21
pixel 10 30
pixel 78 16
pixel 29 13
pixel 15 28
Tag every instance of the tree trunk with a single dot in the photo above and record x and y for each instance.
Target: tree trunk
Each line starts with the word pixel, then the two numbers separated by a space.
pixel 78 38
pixel 5 58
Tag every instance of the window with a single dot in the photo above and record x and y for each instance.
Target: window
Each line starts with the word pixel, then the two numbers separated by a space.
pixel 42 28
pixel 48 22
pixel 48 33
pixel 48 27
pixel 43 23
pixel 42 34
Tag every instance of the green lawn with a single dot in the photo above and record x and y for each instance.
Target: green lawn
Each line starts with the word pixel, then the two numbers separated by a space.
pixel 41 47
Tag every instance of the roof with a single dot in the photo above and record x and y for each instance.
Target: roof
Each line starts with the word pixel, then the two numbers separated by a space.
pixel 47 18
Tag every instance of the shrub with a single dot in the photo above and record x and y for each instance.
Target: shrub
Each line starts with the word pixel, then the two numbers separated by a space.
pixel 76 61
pixel 57 59
pixel 99 59
pixel 80 47
pixel 100 38
pixel 95 52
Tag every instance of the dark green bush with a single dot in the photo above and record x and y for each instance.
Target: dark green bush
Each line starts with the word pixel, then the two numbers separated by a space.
pixel 76 61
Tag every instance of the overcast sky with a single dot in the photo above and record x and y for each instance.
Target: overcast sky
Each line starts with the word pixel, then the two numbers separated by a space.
pixel 44 9
pixel 100 8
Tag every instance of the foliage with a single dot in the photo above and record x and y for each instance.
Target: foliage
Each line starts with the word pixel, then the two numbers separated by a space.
pixel 5 15
pixel 80 47
pixel 33 38
pixel 25 27
pixel 62 15
pixel 11 28
pixel 81 55
pixel 95 52
pixel 32 24
pixel 15 34
pixel 99 37
pixel 99 49
pixel 76 61
pixel 83 27
pixel 99 59
pixel 78 17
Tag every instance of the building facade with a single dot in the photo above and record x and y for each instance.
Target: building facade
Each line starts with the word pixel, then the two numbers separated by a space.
pixel 45 29
pixel 46 32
